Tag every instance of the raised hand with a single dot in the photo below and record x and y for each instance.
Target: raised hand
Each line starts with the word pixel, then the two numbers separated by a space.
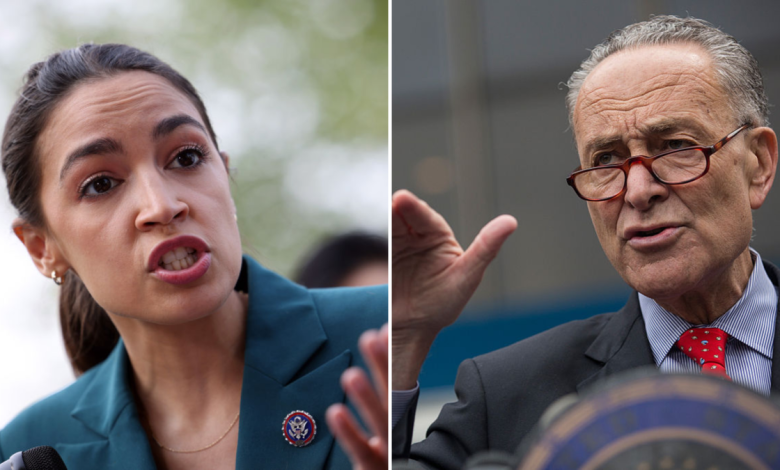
pixel 433 278
pixel 365 453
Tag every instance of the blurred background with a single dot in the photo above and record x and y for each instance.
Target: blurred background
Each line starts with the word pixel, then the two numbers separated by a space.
pixel 297 93
pixel 480 129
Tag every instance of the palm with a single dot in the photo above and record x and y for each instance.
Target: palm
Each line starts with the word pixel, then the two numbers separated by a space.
pixel 433 277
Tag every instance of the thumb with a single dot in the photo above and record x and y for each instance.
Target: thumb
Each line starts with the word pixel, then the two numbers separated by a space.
pixel 486 245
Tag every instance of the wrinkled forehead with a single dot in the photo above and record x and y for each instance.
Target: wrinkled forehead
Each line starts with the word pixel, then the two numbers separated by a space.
pixel 633 87
pixel 109 105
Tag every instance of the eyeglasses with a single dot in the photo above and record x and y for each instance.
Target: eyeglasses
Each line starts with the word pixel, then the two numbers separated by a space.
pixel 680 166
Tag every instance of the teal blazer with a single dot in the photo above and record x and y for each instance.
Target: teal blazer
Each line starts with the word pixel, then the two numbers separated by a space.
pixel 298 343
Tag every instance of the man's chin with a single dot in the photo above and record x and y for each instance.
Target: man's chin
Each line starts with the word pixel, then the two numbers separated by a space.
pixel 663 279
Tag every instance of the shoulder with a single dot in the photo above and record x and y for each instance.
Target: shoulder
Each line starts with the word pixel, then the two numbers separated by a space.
pixel 48 421
pixel 348 311
pixel 555 358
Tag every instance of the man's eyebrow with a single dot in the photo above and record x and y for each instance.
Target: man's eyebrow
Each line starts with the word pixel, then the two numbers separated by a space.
pixel 102 146
pixel 170 124
pixel 662 126
pixel 676 124
pixel 602 142
pixel 658 127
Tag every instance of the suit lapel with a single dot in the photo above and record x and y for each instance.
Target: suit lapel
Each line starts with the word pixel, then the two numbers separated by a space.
pixel 107 409
pixel 774 276
pixel 285 370
pixel 622 344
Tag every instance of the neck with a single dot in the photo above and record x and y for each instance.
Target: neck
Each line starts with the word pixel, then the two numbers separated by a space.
pixel 715 295
pixel 189 373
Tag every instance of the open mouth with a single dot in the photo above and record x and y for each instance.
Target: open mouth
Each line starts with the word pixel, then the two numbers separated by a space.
pixel 179 258
pixel 650 233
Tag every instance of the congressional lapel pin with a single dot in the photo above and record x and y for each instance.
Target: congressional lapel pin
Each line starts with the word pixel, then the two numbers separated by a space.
pixel 299 428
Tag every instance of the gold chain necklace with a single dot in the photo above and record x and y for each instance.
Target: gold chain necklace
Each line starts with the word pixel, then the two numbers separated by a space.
pixel 235 420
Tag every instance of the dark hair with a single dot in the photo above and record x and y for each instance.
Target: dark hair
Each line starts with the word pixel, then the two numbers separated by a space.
pixel 332 261
pixel 88 332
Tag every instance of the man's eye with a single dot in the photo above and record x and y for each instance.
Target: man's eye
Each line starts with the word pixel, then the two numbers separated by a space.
pixel 186 158
pixel 605 159
pixel 678 144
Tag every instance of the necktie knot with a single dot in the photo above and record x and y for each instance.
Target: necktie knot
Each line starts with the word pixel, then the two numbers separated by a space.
pixel 706 346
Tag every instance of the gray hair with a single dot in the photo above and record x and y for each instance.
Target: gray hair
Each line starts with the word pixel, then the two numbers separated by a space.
pixel 737 70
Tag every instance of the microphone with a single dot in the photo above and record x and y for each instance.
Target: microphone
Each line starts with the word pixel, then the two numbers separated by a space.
pixel 37 458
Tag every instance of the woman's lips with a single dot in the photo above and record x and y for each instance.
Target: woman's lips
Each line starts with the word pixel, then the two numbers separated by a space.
pixel 187 275
pixel 157 259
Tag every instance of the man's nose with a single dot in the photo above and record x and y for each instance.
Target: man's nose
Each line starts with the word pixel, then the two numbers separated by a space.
pixel 642 189
pixel 158 202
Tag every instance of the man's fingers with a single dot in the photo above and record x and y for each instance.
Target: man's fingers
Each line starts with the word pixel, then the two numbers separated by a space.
pixel 374 349
pixel 362 394
pixel 361 451
pixel 416 216
pixel 485 246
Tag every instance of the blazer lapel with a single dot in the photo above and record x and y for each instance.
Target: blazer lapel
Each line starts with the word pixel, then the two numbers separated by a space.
pixel 107 408
pixel 284 371
pixel 622 344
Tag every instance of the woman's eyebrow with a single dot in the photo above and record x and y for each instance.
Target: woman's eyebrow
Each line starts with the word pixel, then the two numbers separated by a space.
pixel 170 124
pixel 100 146
pixel 105 146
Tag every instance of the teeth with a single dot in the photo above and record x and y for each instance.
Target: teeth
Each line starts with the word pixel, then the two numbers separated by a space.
pixel 180 252
pixel 177 264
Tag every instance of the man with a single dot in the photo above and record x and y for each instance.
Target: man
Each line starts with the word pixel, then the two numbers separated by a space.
pixel 676 227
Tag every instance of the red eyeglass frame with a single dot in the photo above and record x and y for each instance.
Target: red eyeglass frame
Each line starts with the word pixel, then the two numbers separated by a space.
pixel 647 162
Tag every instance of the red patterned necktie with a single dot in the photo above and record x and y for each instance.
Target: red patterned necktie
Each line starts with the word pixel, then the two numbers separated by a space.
pixel 706 346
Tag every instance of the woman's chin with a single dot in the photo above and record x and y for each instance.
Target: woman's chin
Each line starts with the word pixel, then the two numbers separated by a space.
pixel 177 308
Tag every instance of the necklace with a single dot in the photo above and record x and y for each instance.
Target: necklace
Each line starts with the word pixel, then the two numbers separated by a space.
pixel 179 451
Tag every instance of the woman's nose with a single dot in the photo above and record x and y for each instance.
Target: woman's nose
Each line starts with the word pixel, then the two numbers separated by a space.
pixel 158 203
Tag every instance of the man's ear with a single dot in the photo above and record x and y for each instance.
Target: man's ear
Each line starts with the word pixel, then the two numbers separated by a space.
pixel 763 144
pixel 42 248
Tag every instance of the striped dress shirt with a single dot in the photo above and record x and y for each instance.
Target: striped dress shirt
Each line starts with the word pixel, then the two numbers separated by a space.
pixel 750 324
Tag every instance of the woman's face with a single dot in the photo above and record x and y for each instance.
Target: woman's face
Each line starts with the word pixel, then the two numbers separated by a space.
pixel 129 173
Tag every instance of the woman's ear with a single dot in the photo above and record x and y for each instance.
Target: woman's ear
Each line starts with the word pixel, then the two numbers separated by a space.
pixel 225 159
pixel 42 248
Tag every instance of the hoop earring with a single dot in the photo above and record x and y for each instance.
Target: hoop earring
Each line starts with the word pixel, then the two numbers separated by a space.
pixel 57 279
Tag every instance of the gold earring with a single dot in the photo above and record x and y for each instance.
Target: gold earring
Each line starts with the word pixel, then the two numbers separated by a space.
pixel 57 279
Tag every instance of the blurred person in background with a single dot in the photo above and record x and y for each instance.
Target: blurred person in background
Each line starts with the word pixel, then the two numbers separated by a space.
pixel 349 260
pixel 670 122
pixel 189 355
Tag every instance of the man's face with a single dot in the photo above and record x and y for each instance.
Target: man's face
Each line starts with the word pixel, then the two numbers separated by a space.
pixel 666 241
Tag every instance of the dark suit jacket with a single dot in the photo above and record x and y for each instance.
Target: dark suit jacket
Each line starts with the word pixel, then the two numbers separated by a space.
pixel 298 343
pixel 502 395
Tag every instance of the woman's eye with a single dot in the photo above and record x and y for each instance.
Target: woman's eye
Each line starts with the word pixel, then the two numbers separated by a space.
pixel 186 158
pixel 98 186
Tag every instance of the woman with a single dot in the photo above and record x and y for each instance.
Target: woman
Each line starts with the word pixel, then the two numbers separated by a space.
pixel 190 355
